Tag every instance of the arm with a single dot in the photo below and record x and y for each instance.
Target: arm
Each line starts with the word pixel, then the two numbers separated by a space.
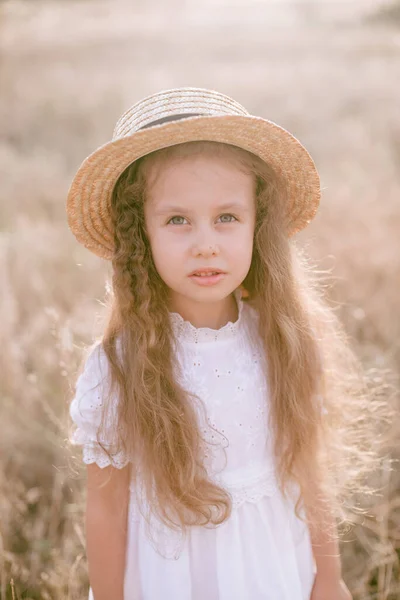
pixel 328 584
pixel 106 529
pixel 326 554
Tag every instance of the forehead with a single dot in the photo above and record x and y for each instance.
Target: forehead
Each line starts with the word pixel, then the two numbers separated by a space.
pixel 194 177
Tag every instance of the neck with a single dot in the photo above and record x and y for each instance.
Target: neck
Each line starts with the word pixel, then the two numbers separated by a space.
pixel 213 315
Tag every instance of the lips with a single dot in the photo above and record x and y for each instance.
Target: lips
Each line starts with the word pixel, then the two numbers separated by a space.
pixel 205 272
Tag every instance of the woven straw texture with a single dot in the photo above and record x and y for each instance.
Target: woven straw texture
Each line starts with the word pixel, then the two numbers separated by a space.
pixel 224 120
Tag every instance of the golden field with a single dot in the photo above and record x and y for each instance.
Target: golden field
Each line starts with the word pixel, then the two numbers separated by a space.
pixel 327 71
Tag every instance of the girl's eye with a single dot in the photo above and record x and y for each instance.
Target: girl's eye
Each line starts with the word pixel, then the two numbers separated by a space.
pixel 223 220
pixel 176 217
pixel 177 220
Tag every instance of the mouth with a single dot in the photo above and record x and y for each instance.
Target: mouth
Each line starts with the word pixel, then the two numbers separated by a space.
pixel 207 276
pixel 206 272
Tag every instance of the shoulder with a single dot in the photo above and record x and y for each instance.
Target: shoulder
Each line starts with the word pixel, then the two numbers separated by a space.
pixel 93 383
pixel 93 391
pixel 95 361
pixel 95 367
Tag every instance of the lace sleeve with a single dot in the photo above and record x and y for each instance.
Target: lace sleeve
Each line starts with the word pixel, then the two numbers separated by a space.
pixel 86 411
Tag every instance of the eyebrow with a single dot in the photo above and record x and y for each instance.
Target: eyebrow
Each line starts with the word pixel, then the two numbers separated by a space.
pixel 181 209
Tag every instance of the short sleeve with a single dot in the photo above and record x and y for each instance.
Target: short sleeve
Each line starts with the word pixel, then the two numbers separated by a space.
pixel 86 412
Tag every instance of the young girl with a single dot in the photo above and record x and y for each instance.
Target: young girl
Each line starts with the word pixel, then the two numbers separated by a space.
pixel 215 413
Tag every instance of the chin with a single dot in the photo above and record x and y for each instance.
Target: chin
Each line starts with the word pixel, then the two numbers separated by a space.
pixel 207 294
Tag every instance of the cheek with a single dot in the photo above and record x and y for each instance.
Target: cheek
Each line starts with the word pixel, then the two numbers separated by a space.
pixel 242 245
pixel 163 243
pixel 167 251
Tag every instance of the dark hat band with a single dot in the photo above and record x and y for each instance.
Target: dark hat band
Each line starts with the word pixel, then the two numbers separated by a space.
pixel 168 119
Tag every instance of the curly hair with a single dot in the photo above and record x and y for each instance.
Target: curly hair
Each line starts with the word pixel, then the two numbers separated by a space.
pixel 310 364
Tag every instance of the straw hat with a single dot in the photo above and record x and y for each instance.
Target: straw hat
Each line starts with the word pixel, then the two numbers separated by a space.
pixel 183 115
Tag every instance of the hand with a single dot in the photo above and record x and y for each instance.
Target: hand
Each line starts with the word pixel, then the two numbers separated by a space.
pixel 329 589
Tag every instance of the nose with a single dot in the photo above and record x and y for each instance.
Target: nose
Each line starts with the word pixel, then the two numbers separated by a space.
pixel 205 245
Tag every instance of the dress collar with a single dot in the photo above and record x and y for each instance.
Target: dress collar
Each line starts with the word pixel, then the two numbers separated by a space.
pixel 185 331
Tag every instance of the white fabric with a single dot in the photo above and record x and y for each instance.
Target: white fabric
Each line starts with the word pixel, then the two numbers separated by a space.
pixel 263 551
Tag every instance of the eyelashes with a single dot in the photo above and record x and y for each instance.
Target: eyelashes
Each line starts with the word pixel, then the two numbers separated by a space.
pixel 169 222
pixel 176 217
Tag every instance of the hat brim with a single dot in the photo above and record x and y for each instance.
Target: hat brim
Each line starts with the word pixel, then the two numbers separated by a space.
pixel 89 197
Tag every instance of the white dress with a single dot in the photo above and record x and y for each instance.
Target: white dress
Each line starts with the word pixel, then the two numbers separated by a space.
pixel 263 551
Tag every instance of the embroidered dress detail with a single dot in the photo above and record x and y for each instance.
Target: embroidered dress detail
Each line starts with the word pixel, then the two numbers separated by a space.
pixel 249 489
pixel 94 453
pixel 86 409
pixel 185 331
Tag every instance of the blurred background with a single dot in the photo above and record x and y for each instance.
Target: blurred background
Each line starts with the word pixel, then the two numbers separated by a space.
pixel 329 71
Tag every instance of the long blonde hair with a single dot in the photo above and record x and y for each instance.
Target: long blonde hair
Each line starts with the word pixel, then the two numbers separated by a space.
pixel 310 364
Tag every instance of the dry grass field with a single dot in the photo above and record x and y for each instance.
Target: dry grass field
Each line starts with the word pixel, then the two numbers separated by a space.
pixel 327 71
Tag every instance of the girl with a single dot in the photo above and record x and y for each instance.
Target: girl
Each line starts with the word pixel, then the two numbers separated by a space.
pixel 215 413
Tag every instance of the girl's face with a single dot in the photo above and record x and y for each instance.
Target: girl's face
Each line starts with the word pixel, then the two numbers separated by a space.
pixel 200 214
